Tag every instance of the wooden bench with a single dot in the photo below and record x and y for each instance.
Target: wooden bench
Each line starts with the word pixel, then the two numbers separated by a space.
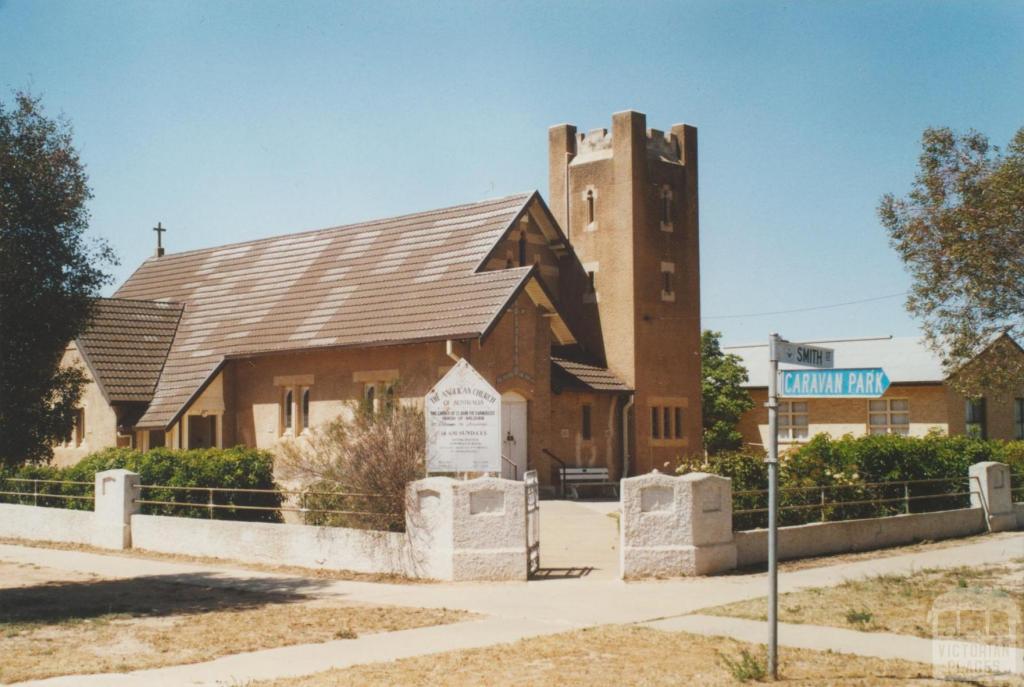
pixel 575 478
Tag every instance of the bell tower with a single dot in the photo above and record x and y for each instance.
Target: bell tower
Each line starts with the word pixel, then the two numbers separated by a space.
pixel 627 199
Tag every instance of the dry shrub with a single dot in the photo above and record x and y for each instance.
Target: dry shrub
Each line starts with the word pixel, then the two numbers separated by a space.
pixel 361 464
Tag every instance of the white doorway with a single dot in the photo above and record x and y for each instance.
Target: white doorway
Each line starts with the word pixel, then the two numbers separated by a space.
pixel 513 435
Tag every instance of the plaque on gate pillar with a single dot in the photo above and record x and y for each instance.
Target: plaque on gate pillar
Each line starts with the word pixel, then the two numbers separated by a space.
pixel 463 416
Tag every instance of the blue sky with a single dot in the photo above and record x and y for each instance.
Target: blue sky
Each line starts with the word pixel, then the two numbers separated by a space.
pixel 228 121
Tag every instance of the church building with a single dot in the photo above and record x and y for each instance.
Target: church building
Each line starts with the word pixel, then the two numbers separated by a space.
pixel 583 311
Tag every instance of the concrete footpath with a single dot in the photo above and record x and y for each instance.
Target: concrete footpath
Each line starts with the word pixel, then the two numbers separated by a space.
pixel 883 645
pixel 511 611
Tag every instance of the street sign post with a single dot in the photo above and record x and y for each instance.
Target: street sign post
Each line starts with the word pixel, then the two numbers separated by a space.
pixel 869 382
pixel 795 354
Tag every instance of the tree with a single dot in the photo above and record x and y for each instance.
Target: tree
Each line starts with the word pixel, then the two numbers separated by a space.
pixel 49 274
pixel 724 398
pixel 960 233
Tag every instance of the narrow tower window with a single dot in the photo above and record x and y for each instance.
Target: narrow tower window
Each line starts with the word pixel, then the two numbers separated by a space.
pixel 666 207
pixel 590 207
pixel 590 282
pixel 522 249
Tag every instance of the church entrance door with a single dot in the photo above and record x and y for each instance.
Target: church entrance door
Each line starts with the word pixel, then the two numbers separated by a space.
pixel 513 435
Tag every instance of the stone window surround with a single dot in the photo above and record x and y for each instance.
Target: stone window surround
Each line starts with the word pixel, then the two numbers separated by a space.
pixel 668 295
pixel 297 385
pixel 663 195
pixel 589 195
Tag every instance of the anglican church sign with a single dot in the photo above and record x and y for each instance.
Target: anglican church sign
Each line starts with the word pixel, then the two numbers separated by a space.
pixel 463 416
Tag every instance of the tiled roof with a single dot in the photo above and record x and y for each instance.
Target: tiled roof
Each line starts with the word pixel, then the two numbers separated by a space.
pixel 397 280
pixel 904 358
pixel 126 345
pixel 590 376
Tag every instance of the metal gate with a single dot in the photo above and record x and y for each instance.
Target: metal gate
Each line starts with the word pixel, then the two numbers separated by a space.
pixel 532 521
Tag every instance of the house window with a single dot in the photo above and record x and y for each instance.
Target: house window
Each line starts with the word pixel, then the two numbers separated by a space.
pixel 666 422
pixel 1018 418
pixel 889 416
pixel 974 417
pixel 585 422
pixel 79 426
pixel 522 249
pixel 793 420
pixel 590 207
pixel 287 410
pixel 305 408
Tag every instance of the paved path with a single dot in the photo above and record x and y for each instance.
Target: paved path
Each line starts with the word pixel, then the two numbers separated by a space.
pixel 512 610
pixel 579 538
pixel 883 645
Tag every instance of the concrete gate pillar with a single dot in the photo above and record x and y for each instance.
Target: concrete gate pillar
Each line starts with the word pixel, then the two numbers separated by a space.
pixel 990 489
pixel 673 526
pixel 116 493
pixel 467 530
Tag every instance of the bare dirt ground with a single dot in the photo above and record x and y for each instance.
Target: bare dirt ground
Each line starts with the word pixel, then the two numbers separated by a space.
pixel 56 623
pixel 613 656
pixel 897 603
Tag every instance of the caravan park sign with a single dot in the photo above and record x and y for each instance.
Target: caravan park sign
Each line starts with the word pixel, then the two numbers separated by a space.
pixel 870 382
pixel 463 416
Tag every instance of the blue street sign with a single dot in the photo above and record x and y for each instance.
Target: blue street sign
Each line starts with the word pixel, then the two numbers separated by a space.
pixel 870 382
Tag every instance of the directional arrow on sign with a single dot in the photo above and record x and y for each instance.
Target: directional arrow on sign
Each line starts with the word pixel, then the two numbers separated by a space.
pixel 870 382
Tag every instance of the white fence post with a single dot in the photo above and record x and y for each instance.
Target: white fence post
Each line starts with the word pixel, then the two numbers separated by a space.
pixel 674 526
pixel 990 490
pixel 116 492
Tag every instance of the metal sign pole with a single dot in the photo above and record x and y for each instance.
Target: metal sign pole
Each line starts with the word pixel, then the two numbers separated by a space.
pixel 773 506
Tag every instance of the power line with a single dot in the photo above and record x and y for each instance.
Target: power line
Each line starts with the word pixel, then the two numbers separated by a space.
pixel 796 310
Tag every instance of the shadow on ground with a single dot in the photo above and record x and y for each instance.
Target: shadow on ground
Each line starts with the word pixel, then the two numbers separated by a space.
pixel 148 596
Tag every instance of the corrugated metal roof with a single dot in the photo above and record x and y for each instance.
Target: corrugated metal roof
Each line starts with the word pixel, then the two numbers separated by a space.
pixel 590 376
pixel 126 345
pixel 388 281
pixel 904 359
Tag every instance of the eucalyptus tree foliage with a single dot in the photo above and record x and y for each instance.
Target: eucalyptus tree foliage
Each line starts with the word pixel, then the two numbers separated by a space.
pixel 960 233
pixel 49 274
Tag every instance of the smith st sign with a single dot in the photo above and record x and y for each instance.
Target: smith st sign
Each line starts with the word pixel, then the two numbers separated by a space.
pixel 851 383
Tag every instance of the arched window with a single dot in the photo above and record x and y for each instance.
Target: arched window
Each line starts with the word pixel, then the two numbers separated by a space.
pixel 522 249
pixel 590 207
pixel 288 409
pixel 305 408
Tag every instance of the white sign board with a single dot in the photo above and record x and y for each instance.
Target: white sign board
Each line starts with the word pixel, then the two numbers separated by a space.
pixel 806 355
pixel 463 415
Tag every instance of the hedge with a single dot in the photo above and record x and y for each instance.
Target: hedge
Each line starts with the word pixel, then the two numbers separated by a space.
pixel 849 465
pixel 238 468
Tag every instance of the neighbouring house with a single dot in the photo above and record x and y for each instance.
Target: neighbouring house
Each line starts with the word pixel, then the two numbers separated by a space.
pixel 583 311
pixel 919 399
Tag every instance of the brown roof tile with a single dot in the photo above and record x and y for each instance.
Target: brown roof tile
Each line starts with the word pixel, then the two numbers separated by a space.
pixel 126 345
pixel 589 376
pixel 397 280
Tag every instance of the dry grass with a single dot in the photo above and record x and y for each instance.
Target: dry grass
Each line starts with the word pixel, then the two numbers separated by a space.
pixel 892 603
pixel 312 573
pixel 57 624
pixel 928 545
pixel 613 656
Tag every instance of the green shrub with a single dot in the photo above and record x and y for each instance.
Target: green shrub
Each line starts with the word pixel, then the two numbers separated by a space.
pixel 850 469
pixel 746 668
pixel 234 468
